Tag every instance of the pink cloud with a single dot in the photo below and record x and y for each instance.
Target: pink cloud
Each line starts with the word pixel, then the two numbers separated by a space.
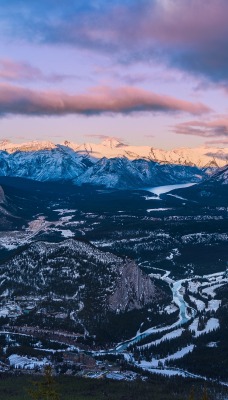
pixel 190 35
pixel 218 127
pixel 103 137
pixel 20 71
pixel 223 142
pixel 98 100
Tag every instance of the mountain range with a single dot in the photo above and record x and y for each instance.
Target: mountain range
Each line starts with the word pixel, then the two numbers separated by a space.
pixel 111 164
pixel 110 148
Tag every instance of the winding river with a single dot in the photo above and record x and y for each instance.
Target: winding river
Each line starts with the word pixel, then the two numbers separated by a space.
pixel 174 286
pixel 184 317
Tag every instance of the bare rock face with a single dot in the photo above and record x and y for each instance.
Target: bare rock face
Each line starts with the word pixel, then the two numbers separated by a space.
pixel 4 212
pixel 134 289
pixel 2 196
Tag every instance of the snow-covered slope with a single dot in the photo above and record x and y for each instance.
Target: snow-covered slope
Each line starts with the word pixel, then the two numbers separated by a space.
pixel 220 177
pixel 35 145
pixel 110 148
pixel 122 173
pixel 112 173
pixel 111 164
pixel 64 164
pixel 58 163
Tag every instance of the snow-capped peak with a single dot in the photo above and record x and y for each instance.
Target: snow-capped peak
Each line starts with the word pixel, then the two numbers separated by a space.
pixel 34 145
pixel 112 143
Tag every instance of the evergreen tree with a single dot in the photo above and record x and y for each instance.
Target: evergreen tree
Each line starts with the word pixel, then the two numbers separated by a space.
pixel 192 394
pixel 205 394
pixel 46 389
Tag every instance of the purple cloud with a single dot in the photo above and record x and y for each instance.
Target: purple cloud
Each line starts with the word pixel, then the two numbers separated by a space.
pixel 223 142
pixel 191 35
pixel 214 128
pixel 103 137
pixel 20 71
pixel 98 100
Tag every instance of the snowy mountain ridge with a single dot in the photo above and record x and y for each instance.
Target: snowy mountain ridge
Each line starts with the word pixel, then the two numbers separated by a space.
pixel 110 148
pixel 45 161
pixel 201 156
pixel 123 173
pixel 53 164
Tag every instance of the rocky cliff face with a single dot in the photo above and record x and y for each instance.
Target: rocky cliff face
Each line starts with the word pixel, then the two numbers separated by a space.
pixel 5 208
pixel 2 196
pixel 134 289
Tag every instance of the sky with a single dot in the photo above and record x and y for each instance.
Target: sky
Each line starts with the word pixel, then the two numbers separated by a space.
pixel 149 72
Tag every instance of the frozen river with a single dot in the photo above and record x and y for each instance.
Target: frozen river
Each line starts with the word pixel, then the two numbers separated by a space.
pixel 167 188
pixel 184 317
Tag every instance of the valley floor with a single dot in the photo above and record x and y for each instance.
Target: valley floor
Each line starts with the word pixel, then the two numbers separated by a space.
pixel 181 244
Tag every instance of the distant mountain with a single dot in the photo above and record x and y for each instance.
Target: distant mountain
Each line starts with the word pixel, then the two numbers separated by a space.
pixel 87 283
pixel 35 145
pixel 112 173
pixel 122 173
pixel 219 178
pixel 131 167
pixel 213 190
pixel 202 157
pixel 58 163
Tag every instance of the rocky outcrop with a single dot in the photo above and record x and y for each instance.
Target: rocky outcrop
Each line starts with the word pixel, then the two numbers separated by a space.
pixel 134 289
pixel 2 196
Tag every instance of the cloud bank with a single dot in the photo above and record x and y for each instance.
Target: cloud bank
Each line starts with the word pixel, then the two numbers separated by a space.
pixel 11 70
pixel 99 100
pixel 216 128
pixel 221 142
pixel 191 35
